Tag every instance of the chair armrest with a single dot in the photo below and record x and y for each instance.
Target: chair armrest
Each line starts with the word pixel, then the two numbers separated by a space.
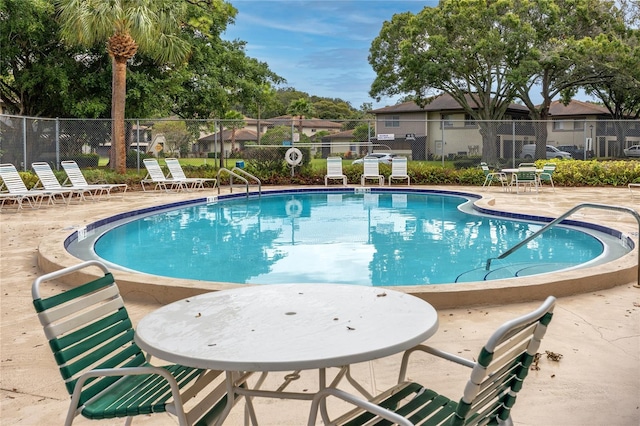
pixel 128 371
pixel 359 402
pixel 433 351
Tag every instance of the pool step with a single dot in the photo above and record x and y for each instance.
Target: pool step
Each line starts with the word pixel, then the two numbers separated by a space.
pixel 510 271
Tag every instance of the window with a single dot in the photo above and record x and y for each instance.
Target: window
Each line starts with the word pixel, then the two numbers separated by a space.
pixel 562 125
pixel 392 121
pixel 469 120
pixel 446 120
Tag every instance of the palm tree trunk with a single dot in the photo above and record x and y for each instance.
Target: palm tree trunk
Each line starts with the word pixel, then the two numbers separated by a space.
pixel 118 98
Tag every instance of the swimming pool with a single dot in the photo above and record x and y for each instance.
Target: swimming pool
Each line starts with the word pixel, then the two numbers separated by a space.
pixel 367 237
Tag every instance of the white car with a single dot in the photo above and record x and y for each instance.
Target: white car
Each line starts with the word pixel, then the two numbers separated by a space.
pixel 383 157
pixel 632 151
pixel 528 152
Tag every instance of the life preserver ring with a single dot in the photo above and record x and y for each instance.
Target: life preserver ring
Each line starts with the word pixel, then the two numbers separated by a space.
pixel 293 208
pixel 293 156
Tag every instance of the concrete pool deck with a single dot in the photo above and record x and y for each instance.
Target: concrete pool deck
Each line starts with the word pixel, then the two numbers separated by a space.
pixel 597 332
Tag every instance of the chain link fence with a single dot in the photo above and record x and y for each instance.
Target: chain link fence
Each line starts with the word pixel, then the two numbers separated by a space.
pixel 25 140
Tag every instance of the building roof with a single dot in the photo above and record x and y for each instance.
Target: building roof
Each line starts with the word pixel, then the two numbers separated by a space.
pixel 443 102
pixel 576 108
pixel 346 134
pixel 241 135
pixel 307 122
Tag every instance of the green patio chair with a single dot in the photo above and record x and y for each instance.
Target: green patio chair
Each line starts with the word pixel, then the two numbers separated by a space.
pixel 106 374
pixel 545 175
pixel 493 177
pixel 496 378
pixel 526 176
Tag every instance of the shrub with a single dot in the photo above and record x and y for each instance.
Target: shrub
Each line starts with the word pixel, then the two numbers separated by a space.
pixel 84 160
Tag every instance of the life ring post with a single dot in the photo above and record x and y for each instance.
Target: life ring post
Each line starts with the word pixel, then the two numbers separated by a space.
pixel 293 157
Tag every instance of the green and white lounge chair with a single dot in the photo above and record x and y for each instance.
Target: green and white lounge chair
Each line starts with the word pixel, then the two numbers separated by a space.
pixel 176 173
pixel 496 378
pixel 106 374
pixel 76 179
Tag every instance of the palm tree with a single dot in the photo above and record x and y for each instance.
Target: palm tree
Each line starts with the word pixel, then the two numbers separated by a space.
pixel 126 26
pixel 301 107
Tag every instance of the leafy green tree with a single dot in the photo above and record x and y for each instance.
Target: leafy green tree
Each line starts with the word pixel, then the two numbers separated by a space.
pixel 264 98
pixel 126 26
pixel 559 58
pixel 39 76
pixel 176 135
pixel 459 48
pixel 234 120
pixel 327 109
pixel 285 96
pixel 276 135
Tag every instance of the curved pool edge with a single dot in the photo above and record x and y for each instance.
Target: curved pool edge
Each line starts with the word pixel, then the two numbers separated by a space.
pixel 52 256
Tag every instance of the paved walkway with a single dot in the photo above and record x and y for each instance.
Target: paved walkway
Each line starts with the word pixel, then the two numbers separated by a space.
pixel 596 382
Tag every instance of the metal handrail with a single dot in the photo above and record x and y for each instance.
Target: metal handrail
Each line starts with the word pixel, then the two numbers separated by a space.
pixel 240 171
pixel 563 217
pixel 231 174
pixel 234 172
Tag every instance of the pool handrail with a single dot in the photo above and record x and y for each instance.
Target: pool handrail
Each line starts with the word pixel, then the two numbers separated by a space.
pixel 234 172
pixel 248 175
pixel 629 210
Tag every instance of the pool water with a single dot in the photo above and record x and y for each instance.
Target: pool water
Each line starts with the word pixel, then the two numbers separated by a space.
pixel 378 239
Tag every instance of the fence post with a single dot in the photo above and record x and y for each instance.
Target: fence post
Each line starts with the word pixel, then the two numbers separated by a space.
pixel 24 143
pixel 138 145
pixel 513 148
pixel 57 143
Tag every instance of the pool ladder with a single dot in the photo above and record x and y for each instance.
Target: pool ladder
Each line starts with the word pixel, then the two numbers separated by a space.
pixel 238 173
pixel 559 219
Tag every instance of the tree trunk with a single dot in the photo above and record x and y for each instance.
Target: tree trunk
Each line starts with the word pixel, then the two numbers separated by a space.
pixel 118 99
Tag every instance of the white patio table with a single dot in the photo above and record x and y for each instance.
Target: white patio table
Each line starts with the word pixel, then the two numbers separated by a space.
pixel 285 327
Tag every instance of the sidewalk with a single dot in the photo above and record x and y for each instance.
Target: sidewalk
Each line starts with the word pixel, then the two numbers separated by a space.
pixel 596 382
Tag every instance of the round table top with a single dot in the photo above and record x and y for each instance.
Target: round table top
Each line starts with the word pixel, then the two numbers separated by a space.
pixel 286 327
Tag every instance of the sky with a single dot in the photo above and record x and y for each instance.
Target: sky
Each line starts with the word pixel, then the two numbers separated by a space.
pixel 319 47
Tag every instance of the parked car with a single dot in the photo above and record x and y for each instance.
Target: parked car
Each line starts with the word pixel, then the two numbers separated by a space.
pixel 383 157
pixel 632 151
pixel 575 152
pixel 528 152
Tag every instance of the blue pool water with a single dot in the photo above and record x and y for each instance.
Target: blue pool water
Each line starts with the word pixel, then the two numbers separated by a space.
pixel 379 239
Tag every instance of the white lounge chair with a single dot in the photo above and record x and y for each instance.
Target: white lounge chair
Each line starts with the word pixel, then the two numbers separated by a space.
pixel 399 170
pixel 47 180
pixel 13 188
pixel 176 172
pixel 334 170
pixel 371 171
pixel 77 180
pixel 156 176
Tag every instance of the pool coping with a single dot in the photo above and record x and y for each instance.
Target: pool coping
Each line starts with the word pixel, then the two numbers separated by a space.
pixel 52 255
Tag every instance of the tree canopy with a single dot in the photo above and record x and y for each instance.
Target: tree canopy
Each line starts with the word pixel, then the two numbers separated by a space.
pixel 487 54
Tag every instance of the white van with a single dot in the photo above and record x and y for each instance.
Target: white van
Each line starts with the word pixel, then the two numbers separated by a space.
pixel 528 152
